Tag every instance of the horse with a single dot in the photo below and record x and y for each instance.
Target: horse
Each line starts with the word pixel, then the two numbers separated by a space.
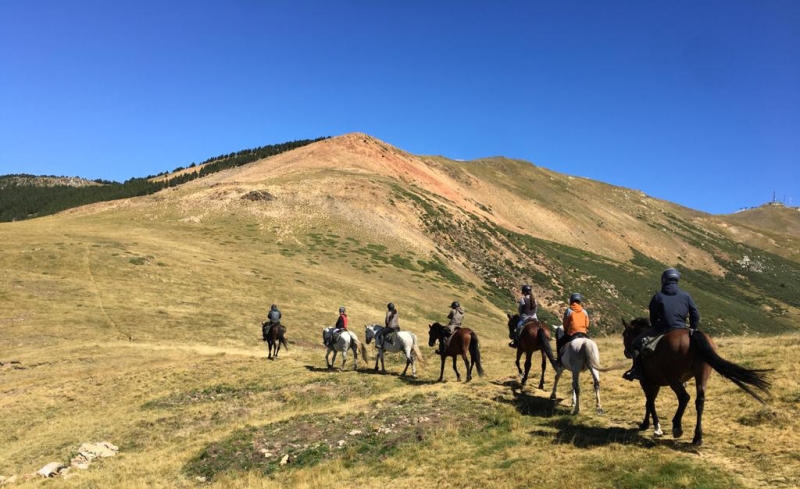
pixel 274 336
pixel 579 354
pixel 463 340
pixel 534 336
pixel 680 355
pixel 405 341
pixel 347 341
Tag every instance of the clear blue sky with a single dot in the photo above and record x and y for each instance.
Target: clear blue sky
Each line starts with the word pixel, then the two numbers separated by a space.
pixel 695 102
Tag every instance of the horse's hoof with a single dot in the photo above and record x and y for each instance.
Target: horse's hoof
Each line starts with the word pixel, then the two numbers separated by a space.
pixel 677 432
pixel 575 412
pixel 658 433
pixel 644 426
pixel 697 441
pixel 553 397
pixel 541 387
pixel 600 411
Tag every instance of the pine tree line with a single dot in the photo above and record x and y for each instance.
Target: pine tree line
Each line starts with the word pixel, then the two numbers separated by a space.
pixel 25 201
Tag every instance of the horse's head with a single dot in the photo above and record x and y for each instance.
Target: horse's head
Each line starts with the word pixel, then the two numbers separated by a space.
pixel 512 322
pixel 558 330
pixel 369 331
pixel 434 333
pixel 632 330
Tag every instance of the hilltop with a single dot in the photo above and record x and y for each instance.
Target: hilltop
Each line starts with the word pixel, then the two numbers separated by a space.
pixel 774 228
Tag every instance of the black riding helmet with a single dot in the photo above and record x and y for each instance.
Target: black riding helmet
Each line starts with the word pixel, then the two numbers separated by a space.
pixel 390 306
pixel 341 310
pixel 274 307
pixel 455 305
pixel 526 289
pixel 670 275
pixel 575 298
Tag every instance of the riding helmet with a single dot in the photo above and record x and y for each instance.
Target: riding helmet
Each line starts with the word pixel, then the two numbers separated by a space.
pixel 526 289
pixel 670 275
pixel 341 310
pixel 575 298
pixel 390 306
pixel 455 304
pixel 274 307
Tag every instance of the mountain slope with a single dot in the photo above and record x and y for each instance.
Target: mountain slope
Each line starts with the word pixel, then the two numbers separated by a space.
pixel 773 228
pixel 483 227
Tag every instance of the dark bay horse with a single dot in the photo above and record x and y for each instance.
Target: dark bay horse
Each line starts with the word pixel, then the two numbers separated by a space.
pixel 534 336
pixel 274 338
pixel 679 356
pixel 462 341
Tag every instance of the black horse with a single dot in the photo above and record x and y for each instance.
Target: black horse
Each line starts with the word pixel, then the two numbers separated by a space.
pixel 274 338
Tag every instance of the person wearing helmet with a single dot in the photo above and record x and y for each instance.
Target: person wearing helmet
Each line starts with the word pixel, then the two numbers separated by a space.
pixel 456 318
pixel 391 323
pixel 669 309
pixel 341 325
pixel 527 311
pixel 575 323
pixel 273 318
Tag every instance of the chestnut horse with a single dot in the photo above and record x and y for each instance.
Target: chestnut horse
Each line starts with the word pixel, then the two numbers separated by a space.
pixel 274 336
pixel 680 355
pixel 462 341
pixel 534 336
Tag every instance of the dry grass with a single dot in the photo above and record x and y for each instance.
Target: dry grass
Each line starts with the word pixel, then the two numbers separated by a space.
pixel 136 324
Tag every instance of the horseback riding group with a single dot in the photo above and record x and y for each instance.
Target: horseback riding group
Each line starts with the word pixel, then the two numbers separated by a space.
pixel 665 351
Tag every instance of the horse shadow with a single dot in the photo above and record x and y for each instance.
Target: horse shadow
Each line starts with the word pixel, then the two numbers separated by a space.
pixel 314 368
pixel 413 381
pixel 528 405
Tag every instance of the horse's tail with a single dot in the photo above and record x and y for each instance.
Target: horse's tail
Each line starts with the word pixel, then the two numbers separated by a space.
pixel 544 340
pixel 475 352
pixel 742 377
pixel 417 353
pixel 361 347
pixel 592 355
pixel 281 338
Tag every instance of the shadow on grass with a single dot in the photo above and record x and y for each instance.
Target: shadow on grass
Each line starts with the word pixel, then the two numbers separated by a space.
pixel 332 370
pixel 413 381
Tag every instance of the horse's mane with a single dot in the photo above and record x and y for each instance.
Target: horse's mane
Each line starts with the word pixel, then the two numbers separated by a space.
pixel 437 325
pixel 640 323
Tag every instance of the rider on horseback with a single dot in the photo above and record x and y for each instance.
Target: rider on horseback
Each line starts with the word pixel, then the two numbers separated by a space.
pixel 456 318
pixel 273 319
pixel 575 322
pixel 341 325
pixel 669 309
pixel 391 323
pixel 527 311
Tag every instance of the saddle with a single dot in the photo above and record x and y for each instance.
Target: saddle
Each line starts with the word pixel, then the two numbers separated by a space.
pixel 389 337
pixel 649 344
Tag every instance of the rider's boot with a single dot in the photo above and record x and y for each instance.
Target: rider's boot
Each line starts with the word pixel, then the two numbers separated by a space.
pixel 635 373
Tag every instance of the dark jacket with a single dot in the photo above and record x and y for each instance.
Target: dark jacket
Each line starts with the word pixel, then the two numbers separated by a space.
pixel 670 307
pixel 274 316
pixel 391 320
pixel 527 306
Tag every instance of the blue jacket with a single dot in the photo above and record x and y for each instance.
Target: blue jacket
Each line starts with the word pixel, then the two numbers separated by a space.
pixel 670 307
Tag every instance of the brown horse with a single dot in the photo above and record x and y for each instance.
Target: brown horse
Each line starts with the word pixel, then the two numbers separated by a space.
pixel 534 336
pixel 274 338
pixel 462 341
pixel 679 356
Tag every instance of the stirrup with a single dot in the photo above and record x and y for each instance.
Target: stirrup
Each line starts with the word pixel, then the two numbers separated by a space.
pixel 632 375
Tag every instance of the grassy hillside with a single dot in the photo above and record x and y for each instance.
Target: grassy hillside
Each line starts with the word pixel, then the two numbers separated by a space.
pixel 137 322
pixel 773 228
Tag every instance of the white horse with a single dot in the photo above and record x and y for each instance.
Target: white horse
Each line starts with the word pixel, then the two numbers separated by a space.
pixel 347 341
pixel 578 355
pixel 406 342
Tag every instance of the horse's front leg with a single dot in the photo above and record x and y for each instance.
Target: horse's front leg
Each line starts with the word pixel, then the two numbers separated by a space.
pixel 328 363
pixel 441 372
pixel 269 350
pixel 559 371
pixel 699 404
pixel 683 401
pixel 596 379
pixel 519 369
pixel 651 392
pixel 576 392
pixel 378 358
pixel 544 368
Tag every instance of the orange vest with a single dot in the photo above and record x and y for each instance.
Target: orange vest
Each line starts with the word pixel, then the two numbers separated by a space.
pixel 576 320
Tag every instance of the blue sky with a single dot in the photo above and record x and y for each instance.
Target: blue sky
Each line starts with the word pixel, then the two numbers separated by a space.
pixel 694 102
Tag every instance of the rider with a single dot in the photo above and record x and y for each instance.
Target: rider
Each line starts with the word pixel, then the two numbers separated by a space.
pixel 341 324
pixel 527 311
pixel 456 318
pixel 575 322
pixel 273 319
pixel 669 309
pixel 391 324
